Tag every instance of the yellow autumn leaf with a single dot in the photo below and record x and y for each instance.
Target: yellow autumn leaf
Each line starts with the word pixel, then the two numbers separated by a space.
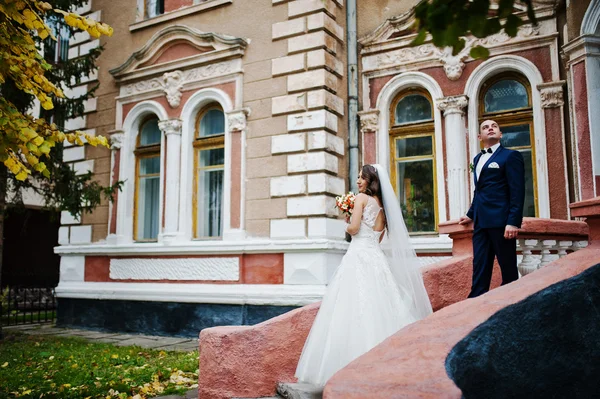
pixel 21 176
pixel 43 34
pixel 115 356
pixel 40 167
pixel 38 140
pixel 5 364
pixel 32 159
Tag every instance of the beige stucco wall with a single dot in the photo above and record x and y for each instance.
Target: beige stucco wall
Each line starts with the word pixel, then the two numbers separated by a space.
pixel 250 20
pixel 372 13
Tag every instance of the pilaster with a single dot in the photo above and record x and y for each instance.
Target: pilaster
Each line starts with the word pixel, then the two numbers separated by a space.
pixel 313 70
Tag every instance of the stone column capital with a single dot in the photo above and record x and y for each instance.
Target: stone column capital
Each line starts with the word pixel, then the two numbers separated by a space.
pixel 453 104
pixel 369 120
pixel 116 139
pixel 170 126
pixel 237 119
pixel 552 94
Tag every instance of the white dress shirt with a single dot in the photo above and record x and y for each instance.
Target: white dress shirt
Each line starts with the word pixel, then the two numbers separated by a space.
pixel 484 158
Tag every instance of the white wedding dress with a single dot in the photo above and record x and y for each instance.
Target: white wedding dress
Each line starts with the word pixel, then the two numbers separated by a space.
pixel 363 306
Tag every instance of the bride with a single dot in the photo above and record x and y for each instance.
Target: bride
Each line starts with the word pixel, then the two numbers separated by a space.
pixel 376 290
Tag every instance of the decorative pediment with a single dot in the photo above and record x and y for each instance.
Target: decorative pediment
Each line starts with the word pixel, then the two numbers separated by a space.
pixel 178 47
pixel 393 27
pixel 388 46
pixel 404 25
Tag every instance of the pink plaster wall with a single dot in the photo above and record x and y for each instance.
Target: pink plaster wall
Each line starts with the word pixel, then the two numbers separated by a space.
pixel 555 150
pixel 249 361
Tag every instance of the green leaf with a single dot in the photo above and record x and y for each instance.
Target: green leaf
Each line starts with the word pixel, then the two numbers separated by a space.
pixel 478 52
pixel 420 39
pixel 511 26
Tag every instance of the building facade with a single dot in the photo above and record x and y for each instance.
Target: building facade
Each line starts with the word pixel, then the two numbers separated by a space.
pixel 229 123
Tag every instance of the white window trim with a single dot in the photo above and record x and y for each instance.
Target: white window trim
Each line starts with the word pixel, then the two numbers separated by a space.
pixel 384 102
pixel 479 76
pixel 190 111
pixel 125 205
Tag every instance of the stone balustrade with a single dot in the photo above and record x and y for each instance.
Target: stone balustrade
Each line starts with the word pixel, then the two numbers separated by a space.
pixel 542 241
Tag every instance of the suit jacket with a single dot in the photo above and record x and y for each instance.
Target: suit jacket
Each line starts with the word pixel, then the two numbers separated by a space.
pixel 500 191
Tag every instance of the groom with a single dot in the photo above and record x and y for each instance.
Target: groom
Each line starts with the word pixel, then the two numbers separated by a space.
pixel 496 210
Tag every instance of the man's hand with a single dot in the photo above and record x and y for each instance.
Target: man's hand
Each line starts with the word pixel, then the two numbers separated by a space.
pixel 464 220
pixel 510 232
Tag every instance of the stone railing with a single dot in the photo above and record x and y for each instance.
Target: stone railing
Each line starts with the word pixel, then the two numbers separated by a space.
pixel 540 241
pixel 552 239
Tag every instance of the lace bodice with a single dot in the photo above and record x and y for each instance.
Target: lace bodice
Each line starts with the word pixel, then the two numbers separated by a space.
pixel 370 213
pixel 366 236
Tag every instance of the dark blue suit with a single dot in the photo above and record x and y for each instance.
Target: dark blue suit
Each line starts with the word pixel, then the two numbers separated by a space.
pixel 497 202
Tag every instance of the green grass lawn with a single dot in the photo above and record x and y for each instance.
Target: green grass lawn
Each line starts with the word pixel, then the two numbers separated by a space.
pixel 55 367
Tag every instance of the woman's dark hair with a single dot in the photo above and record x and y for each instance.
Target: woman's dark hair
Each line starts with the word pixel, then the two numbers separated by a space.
pixel 369 173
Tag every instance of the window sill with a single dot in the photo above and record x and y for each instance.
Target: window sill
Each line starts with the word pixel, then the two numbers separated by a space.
pixel 204 6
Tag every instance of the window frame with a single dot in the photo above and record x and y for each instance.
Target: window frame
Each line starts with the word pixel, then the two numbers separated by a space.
pixel 513 117
pixel 140 152
pixel 424 128
pixel 202 144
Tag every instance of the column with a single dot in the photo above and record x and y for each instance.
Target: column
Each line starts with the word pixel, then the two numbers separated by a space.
pixel 116 141
pixel 456 153
pixel 171 128
pixel 551 94
pixel 234 218
pixel 369 124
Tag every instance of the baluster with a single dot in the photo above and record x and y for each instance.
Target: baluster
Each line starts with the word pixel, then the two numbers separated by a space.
pixel 563 246
pixel 547 246
pixel 528 263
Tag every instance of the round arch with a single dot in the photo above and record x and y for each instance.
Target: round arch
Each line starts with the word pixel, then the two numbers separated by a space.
pixel 193 105
pixel 513 63
pixel 131 125
pixel 384 101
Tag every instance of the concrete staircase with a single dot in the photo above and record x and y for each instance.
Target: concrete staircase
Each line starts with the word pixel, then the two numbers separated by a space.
pixel 289 390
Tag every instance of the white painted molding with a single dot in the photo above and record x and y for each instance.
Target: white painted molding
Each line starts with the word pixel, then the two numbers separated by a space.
pixel 591 20
pixel 72 268
pixel 234 294
pixel 490 68
pixel 179 269
pixel 125 204
pixel 384 101
pixel 437 244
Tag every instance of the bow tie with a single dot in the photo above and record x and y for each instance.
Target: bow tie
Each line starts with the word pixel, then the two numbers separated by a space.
pixel 489 151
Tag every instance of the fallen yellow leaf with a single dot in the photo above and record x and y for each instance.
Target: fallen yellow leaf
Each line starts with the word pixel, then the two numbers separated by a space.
pixel 5 365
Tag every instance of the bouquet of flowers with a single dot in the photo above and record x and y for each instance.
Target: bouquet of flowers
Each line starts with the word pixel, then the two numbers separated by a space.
pixel 345 203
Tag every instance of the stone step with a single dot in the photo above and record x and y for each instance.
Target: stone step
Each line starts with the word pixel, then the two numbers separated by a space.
pixel 299 390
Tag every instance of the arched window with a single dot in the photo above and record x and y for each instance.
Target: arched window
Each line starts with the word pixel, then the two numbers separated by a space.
pixel 147 192
pixel 506 99
pixel 209 166
pixel 412 147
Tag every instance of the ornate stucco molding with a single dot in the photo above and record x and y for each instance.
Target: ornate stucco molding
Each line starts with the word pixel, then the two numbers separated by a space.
pixel 552 94
pixel 116 140
pixel 237 120
pixel 172 83
pixel 453 64
pixel 369 120
pixel 170 126
pixel 453 104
